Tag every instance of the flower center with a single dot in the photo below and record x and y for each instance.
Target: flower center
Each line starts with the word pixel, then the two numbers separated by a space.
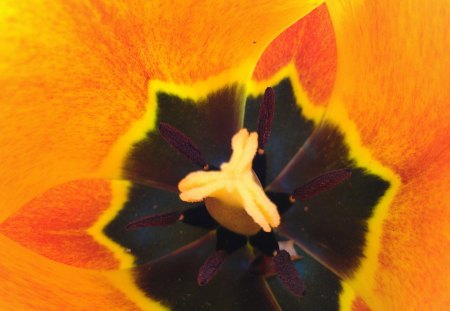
pixel 234 203
pixel 234 196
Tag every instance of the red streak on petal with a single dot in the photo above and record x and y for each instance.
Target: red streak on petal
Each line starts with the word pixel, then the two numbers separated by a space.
pixel 311 45
pixel 55 224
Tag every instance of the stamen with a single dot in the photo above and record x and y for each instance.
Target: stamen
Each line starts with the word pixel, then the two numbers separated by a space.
pixel 265 117
pixel 182 143
pixel 210 267
pixel 320 184
pixel 157 220
pixel 288 274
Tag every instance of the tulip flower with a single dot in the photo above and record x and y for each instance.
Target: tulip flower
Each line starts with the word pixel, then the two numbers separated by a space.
pixel 205 155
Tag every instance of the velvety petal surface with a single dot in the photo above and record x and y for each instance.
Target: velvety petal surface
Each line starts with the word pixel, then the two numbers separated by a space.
pixel 392 83
pixel 32 282
pixel 57 223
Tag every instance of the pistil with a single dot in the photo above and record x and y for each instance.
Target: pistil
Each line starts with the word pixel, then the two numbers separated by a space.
pixel 232 189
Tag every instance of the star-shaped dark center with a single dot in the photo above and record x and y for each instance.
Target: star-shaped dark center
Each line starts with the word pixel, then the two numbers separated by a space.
pixel 332 231
pixel 234 202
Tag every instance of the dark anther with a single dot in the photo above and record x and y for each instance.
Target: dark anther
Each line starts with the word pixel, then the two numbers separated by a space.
pixel 288 274
pixel 265 242
pixel 182 143
pixel 265 116
pixel 320 184
pixel 157 220
pixel 199 217
pixel 210 267
pixel 226 243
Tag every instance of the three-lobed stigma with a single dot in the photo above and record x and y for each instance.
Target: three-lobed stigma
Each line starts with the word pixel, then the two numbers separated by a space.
pixel 234 189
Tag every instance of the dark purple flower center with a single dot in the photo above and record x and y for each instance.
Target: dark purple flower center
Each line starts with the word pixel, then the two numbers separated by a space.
pixel 228 241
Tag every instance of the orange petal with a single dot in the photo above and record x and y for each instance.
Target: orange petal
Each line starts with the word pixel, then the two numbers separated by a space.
pixel 32 282
pixel 55 224
pixel 65 99
pixel 310 46
pixel 75 75
pixel 392 78
pixel 392 82
pixel 414 259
